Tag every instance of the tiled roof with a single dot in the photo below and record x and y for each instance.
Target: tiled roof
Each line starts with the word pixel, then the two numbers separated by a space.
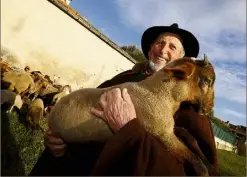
pixel 76 16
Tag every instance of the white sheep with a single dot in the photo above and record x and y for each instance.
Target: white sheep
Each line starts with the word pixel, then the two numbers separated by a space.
pixel 19 82
pixel 35 112
pixel 12 99
pixel 58 96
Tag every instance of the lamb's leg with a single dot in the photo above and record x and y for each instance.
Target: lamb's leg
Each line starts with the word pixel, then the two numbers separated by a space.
pixel 191 142
pixel 38 116
pixel 177 148
pixel 36 94
pixel 12 88
pixel 11 108
pixel 22 94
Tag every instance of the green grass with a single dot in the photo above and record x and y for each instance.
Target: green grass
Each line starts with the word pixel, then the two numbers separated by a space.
pixel 231 164
pixel 20 146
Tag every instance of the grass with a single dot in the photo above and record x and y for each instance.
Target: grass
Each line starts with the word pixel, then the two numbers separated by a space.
pixel 231 164
pixel 21 148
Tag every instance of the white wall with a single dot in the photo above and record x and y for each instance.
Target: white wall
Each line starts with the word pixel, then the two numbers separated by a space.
pixel 221 144
pixel 42 36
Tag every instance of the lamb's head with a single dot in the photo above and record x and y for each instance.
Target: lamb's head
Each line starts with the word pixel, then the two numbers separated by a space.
pixel 189 80
pixel 67 89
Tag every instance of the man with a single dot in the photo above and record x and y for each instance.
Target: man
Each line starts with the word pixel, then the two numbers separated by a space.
pixel 161 45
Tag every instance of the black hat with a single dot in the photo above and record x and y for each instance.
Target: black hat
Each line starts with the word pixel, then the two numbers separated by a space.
pixel 189 41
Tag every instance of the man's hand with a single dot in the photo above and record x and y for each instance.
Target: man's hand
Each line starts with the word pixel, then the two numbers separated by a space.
pixel 55 145
pixel 117 108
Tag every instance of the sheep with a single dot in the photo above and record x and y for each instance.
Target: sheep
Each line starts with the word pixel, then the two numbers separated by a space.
pixel 27 69
pixel 66 88
pixel 56 79
pixel 181 80
pixel 4 67
pixel 51 99
pixel 40 84
pixel 57 97
pixel 59 87
pixel 35 112
pixel 36 75
pixel 18 82
pixel 11 99
pixel 47 77
pixel 37 72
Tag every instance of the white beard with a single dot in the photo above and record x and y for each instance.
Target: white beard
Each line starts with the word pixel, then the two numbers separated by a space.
pixel 153 66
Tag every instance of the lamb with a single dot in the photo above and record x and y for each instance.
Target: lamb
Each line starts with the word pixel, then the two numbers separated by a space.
pixel 58 96
pixel 66 88
pixel 181 80
pixel 47 77
pixel 4 67
pixel 35 112
pixel 11 99
pixel 48 90
pixel 18 82
pixel 56 79
pixel 39 87
pixel 50 100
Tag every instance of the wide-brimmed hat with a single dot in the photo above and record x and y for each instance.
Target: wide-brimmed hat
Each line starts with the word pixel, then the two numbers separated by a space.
pixel 189 41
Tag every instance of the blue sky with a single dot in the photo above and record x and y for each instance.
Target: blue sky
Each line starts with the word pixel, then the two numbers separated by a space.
pixel 220 27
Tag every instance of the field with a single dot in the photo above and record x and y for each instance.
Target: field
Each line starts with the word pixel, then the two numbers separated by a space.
pixel 21 148
pixel 231 164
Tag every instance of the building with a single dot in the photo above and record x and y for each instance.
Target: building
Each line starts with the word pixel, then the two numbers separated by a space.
pixel 59 42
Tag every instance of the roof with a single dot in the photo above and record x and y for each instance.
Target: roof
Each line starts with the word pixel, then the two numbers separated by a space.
pixel 238 129
pixel 77 17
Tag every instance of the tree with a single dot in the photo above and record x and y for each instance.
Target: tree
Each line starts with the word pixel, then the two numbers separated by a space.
pixel 211 114
pixel 135 52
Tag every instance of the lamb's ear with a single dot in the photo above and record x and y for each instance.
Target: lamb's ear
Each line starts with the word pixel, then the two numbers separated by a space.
pixel 184 71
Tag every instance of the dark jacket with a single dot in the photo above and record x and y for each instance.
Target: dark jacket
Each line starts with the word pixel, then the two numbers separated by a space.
pixel 133 151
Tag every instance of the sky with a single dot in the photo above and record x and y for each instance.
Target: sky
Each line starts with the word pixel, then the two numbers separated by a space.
pixel 220 27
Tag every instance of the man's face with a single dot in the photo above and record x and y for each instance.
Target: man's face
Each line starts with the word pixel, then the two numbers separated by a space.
pixel 166 48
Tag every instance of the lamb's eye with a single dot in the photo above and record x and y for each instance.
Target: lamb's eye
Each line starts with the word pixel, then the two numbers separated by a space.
pixel 205 80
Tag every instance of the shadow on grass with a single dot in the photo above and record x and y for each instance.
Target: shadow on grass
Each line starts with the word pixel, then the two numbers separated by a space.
pixel 11 162
pixel 21 144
